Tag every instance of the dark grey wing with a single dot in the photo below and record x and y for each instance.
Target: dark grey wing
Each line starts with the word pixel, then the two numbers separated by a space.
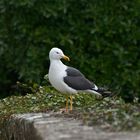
pixel 76 80
pixel 73 72
pixel 78 83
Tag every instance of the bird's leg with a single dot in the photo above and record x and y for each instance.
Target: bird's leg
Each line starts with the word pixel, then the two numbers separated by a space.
pixel 66 103
pixel 71 102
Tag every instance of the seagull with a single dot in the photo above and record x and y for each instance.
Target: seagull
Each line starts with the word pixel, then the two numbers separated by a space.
pixel 69 80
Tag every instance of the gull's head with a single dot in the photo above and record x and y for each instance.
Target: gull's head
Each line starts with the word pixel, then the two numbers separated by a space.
pixel 57 54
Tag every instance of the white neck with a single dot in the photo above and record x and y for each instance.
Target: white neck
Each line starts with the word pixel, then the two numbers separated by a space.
pixel 57 64
pixel 56 61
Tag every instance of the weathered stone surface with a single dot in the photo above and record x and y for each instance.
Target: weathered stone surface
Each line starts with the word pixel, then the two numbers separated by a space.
pixel 43 126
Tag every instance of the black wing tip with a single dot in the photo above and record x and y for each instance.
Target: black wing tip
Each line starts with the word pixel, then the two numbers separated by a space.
pixel 105 92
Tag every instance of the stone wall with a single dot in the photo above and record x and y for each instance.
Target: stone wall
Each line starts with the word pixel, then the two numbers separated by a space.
pixel 43 126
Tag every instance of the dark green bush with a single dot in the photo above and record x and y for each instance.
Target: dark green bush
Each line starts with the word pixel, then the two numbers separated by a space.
pixel 102 39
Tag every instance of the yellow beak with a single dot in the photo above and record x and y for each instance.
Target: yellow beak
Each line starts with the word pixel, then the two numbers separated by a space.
pixel 66 58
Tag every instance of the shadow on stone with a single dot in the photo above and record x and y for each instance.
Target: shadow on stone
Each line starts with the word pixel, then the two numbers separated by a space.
pixel 18 129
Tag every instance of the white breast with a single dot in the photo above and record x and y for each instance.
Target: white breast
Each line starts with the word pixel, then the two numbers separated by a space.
pixel 57 72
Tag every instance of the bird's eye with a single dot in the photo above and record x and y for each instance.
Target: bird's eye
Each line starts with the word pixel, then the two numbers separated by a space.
pixel 57 52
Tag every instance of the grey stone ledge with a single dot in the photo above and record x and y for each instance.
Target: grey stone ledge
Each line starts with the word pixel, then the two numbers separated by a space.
pixel 45 126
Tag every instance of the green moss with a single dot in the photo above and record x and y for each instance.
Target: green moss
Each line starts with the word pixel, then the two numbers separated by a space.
pixel 113 113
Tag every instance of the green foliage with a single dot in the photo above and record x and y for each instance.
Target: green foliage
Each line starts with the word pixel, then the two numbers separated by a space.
pixel 111 114
pixel 101 38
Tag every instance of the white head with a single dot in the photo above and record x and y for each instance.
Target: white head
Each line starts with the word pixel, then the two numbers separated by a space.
pixel 57 54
